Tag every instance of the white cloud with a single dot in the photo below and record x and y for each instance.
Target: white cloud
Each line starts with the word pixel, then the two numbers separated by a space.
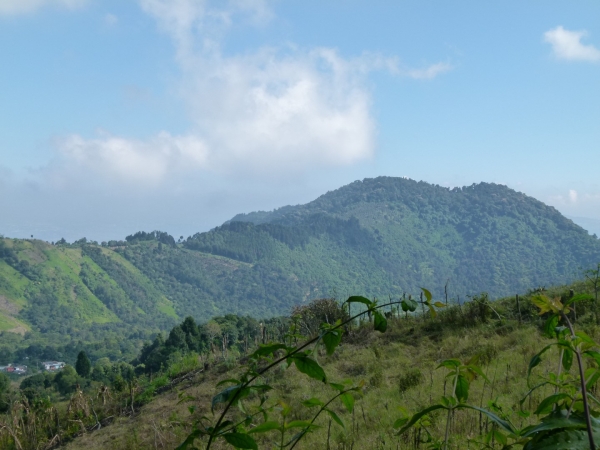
pixel 13 7
pixel 584 202
pixel 110 19
pixel 573 195
pixel 567 45
pixel 430 72
pixel 139 162
pixel 274 111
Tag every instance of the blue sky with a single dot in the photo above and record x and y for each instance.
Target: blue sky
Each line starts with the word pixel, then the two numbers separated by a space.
pixel 117 116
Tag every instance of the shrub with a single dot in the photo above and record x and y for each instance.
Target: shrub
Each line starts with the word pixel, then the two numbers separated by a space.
pixel 66 380
pixel 376 379
pixel 353 369
pixel 324 310
pixel 410 379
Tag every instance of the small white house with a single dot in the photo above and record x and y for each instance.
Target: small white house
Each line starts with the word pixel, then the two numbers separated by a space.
pixel 53 366
pixel 14 368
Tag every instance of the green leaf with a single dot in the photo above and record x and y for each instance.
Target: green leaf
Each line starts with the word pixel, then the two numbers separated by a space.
pixel 562 440
pixel 415 418
pixel 309 367
pixel 546 405
pixel 439 305
pixel 499 437
pixel 450 364
pixel 337 386
pixel 331 339
pixel 359 299
pixel 410 304
pixel 550 326
pixel 348 401
pixel 380 321
pixel 399 422
pixel 592 379
pixel 264 427
pixel 427 294
pixel 501 422
pixel 335 417
pixel 594 355
pixel 230 380
pixel 478 371
pixel 448 401
pixel 414 304
pixel 295 438
pixel 579 298
pixel 543 303
pixel 432 310
pixel 298 424
pixel 462 388
pixel 590 396
pixel 531 392
pixel 222 426
pixel 267 349
pixel 554 421
pixel 240 440
pixel 584 337
pixel 537 359
pixel 567 359
pixel 312 402
pixel 260 388
pixel 190 440
pixel 225 395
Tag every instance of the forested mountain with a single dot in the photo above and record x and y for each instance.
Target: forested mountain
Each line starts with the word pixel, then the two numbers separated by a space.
pixel 390 235
pixel 376 237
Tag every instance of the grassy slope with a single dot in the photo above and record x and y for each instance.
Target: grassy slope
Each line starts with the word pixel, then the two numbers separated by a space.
pixel 58 282
pixel 12 285
pixel 58 273
pixel 380 360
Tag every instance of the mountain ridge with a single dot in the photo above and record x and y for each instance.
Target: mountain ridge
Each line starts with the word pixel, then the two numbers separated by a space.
pixel 377 237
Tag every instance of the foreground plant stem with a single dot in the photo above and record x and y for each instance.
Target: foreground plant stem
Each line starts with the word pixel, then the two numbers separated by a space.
pixel 319 413
pixel 450 415
pixel 586 407
pixel 280 360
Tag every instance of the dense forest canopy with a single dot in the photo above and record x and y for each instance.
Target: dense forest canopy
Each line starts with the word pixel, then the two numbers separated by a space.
pixel 378 237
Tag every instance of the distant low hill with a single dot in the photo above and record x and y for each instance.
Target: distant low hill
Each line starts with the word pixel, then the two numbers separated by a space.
pixel 376 237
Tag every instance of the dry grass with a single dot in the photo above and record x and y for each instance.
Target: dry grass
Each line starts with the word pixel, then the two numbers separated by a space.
pixel 380 360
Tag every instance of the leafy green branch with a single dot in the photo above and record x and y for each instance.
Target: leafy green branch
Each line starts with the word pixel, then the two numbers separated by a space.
pixel 301 356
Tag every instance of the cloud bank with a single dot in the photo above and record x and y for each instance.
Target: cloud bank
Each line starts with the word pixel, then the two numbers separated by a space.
pixel 279 110
pixel 567 45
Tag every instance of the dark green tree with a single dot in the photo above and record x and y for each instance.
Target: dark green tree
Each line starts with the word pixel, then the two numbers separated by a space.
pixel 176 339
pixel 66 380
pixel 83 366
pixel 4 383
pixel 4 388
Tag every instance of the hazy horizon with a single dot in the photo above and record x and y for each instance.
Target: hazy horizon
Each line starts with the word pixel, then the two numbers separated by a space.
pixel 118 231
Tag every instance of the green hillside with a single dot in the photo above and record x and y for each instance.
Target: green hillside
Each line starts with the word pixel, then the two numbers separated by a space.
pixel 386 236
pixel 64 293
pixel 379 237
pixel 389 372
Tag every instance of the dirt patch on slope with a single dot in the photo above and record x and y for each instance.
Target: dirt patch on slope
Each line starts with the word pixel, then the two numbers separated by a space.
pixel 35 255
pixel 8 307
pixel 18 330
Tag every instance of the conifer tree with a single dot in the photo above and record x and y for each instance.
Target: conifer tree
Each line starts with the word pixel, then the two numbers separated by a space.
pixel 83 366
